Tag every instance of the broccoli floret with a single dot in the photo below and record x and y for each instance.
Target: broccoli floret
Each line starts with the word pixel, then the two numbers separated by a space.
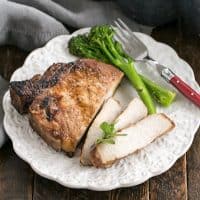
pixel 82 47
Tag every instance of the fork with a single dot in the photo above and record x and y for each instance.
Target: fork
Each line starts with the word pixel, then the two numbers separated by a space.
pixel 138 50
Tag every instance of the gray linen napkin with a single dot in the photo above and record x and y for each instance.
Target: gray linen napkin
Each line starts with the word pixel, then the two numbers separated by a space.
pixel 29 24
pixel 3 88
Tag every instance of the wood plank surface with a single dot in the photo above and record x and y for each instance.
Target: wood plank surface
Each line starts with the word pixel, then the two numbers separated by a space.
pixel 170 185
pixel 190 51
pixel 11 58
pixel 193 169
pixel 16 177
pixel 49 190
pixel 140 192
pixel 173 183
pixel 188 48
pixel 18 181
pixel 46 189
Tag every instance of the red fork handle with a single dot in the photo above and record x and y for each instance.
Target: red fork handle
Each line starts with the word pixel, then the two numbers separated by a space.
pixel 185 89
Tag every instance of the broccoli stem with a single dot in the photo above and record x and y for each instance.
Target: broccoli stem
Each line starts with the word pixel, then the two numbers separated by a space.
pixel 140 87
pixel 161 95
pixel 127 66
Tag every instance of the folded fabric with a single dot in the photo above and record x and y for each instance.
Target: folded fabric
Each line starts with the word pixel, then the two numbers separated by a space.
pixel 26 27
pixel 30 24
pixel 3 88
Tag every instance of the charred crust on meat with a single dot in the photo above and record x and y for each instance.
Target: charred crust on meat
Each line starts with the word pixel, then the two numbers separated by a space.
pixel 25 91
pixel 44 103
pixel 49 104
pixel 18 87
pixel 22 93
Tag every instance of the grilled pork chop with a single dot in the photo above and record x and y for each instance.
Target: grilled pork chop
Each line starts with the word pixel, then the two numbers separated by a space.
pixel 135 111
pixel 23 92
pixel 66 98
pixel 137 137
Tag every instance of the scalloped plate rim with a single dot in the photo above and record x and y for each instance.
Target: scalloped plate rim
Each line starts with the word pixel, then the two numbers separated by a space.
pixel 89 186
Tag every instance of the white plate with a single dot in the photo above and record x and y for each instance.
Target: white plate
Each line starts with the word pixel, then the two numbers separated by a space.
pixel 135 169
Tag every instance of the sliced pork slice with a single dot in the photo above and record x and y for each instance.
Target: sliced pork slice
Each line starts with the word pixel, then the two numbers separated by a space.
pixel 135 111
pixel 108 113
pixel 137 137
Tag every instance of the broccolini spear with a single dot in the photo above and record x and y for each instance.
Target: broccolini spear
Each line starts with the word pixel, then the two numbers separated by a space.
pixel 100 44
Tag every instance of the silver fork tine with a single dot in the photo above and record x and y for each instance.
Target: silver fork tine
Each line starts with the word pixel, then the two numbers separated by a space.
pixel 128 30
pixel 124 42
pixel 132 44
pixel 123 32
pixel 128 45
pixel 124 25
pixel 122 39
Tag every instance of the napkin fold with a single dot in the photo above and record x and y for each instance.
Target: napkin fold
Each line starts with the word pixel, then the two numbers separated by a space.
pixel 30 24
pixel 3 88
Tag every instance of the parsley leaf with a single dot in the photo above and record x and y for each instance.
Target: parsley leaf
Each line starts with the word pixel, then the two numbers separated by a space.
pixel 109 133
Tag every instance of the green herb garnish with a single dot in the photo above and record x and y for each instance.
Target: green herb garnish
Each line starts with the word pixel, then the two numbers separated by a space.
pixel 109 133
